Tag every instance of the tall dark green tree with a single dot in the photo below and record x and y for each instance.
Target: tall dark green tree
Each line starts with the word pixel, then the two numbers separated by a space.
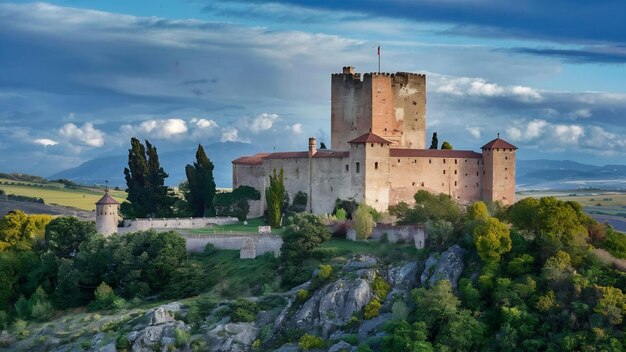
pixel 434 144
pixel 274 196
pixel 201 185
pixel 148 196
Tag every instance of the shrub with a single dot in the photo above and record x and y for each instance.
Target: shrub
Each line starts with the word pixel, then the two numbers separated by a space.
pixel 325 271
pixel 371 309
pixel 380 287
pixel 340 214
pixel 122 343
pixel 363 222
pixel 104 297
pixel 22 308
pixel 308 342
pixel 399 310
pixel 42 311
pixel 19 328
pixel 181 337
pixel 4 320
pixel 302 295
pixel 352 339
pixel 243 310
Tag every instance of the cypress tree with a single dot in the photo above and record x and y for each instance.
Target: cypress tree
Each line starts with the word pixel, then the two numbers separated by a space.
pixel 274 196
pixel 434 144
pixel 201 185
pixel 145 178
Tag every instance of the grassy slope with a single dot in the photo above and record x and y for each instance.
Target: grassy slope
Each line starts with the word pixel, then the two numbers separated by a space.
pixel 55 193
pixel 251 227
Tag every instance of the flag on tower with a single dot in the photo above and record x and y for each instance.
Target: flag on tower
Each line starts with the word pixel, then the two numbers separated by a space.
pixel 379 59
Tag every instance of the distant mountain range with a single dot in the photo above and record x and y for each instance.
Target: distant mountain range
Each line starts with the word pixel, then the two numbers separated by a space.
pixel 111 168
pixel 568 175
pixel 530 174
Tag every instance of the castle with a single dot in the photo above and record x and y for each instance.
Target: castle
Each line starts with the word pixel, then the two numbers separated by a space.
pixel 378 155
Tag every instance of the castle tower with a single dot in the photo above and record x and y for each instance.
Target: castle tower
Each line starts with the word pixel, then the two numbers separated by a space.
pixel 499 171
pixel 106 214
pixel 392 106
pixel 370 175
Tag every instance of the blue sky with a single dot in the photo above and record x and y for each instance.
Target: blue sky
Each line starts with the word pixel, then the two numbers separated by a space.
pixel 78 78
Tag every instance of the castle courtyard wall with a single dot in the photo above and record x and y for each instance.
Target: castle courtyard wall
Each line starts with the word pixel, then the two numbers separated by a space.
pixel 134 225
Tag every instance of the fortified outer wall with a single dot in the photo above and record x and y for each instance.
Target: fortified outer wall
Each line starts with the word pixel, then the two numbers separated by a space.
pixel 458 173
pixel 261 243
pixel 134 225
pixel 405 234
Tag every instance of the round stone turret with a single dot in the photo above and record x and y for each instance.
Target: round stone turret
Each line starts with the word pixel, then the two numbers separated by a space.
pixel 106 215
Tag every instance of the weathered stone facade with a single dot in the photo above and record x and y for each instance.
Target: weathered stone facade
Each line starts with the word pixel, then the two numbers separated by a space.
pixel 378 127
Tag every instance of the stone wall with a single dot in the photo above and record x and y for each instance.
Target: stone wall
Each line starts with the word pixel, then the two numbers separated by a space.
pixel 133 225
pixel 405 234
pixel 250 245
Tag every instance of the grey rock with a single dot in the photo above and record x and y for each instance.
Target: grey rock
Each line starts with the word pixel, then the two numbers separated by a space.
pixel 108 348
pixel 288 347
pixel 360 262
pixel 340 346
pixel 232 337
pixel 333 305
pixel 429 266
pixel 369 327
pixel 448 267
pixel 404 277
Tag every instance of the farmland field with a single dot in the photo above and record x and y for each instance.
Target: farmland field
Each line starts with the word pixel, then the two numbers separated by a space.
pixel 56 193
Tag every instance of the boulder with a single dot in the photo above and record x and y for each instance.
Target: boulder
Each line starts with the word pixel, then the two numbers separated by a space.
pixel 232 337
pixel 369 327
pixel 449 267
pixel 360 262
pixel 332 306
pixel 403 278
pixel 340 347
pixel 288 347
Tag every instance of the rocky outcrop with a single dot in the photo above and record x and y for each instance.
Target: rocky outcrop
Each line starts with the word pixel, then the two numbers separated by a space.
pixel 341 346
pixel 360 262
pixel 332 305
pixel 236 337
pixel 448 266
pixel 157 329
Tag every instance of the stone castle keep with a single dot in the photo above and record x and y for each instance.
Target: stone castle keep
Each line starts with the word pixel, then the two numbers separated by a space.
pixel 377 155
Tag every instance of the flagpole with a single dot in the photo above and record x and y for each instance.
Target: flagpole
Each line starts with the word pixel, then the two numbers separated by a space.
pixel 379 59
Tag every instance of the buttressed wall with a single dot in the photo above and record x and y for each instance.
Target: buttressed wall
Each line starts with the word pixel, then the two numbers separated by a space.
pixel 392 106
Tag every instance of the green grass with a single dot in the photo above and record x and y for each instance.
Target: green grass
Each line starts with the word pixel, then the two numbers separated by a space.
pixel 239 227
pixel 235 277
pixel 336 248
pixel 55 193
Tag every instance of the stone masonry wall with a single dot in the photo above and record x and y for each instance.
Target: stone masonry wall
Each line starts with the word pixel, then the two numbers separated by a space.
pixel 178 223
pixel 262 243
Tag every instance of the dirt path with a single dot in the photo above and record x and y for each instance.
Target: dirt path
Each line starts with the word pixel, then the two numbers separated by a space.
pixel 607 258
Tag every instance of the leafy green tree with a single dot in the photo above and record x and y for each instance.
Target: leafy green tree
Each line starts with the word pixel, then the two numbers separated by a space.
pixel 19 230
pixel 40 307
pixel 147 194
pixel 201 185
pixel 446 146
pixel 462 332
pixel 304 233
pixel 274 197
pixel 478 212
pixel 436 305
pixel 235 203
pixel 403 337
pixel 440 233
pixel 363 222
pixel 492 240
pixel 524 214
pixel 434 144
pixel 427 206
pixel 65 234
pixel 612 304
pixel 190 279
pixel 104 297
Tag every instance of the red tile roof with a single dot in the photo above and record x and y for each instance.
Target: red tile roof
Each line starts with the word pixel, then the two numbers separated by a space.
pixel 370 138
pixel 433 153
pixel 257 159
pixel 498 143
pixel 107 199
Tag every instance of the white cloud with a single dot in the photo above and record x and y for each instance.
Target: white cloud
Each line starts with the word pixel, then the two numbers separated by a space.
pixel 296 128
pixel 581 113
pixel 568 134
pixel 479 87
pixel 87 135
pixel 474 131
pixel 231 134
pixel 45 142
pixel 263 122
pixel 159 129
pixel 531 131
